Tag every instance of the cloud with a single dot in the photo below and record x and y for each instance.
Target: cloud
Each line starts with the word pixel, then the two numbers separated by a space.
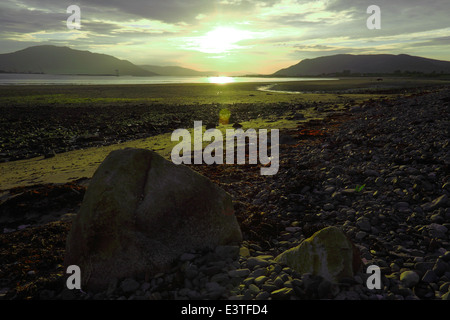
pixel 286 30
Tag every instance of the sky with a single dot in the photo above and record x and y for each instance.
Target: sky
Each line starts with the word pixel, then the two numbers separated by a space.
pixel 229 36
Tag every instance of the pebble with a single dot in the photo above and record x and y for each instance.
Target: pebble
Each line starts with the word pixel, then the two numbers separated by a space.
pixel 253 262
pixel 409 278
pixel 282 294
pixel 239 273
pixel 430 277
pixel 129 285
pixel 227 252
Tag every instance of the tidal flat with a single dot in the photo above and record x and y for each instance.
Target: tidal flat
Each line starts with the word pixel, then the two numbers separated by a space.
pixel 388 136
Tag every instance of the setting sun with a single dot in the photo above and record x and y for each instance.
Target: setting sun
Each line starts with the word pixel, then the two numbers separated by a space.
pixel 221 40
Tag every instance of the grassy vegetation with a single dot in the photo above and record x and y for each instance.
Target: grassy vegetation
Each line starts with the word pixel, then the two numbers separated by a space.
pixel 66 119
pixel 195 94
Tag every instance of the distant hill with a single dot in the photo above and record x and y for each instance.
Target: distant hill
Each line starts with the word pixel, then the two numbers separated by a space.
pixel 63 60
pixel 365 64
pixel 176 71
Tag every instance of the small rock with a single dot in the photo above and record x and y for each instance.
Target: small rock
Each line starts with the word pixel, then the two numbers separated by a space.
pixel 436 203
pixel 282 294
pixel 440 267
pixel 446 296
pixel 423 267
pixel 215 290
pixel 446 256
pixel 253 262
pixel 227 252
pixel 244 252
pixel 437 230
pixel 253 289
pixel 328 253
pixel 372 173
pixel 259 272
pixel 262 296
pixel 269 287
pixel 260 280
pixel 129 285
pixel 430 277
pixel 360 235
pixel 239 273
pixel 293 229
pixel 409 278
pixel 187 256
pixel 278 282
pixel 191 271
pixel 444 287
pixel 363 224
pixel 437 218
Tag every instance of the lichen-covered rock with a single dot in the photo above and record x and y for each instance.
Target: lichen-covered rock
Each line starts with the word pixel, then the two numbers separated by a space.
pixel 327 253
pixel 140 212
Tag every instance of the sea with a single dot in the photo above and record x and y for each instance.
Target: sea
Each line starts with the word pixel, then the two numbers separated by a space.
pixel 49 79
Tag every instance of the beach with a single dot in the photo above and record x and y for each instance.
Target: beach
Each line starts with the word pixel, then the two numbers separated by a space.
pixel 371 158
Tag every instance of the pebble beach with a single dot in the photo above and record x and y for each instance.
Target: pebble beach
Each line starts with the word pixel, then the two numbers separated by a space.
pixel 378 170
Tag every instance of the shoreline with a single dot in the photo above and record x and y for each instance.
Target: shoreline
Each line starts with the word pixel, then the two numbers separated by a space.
pixel 400 221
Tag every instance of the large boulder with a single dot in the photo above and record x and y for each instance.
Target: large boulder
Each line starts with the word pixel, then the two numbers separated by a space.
pixel 327 253
pixel 140 212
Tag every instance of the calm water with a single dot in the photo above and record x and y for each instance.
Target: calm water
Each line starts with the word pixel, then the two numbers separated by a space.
pixel 48 79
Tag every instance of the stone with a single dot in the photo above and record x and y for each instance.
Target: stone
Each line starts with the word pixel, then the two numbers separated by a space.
pixel 446 256
pixel 227 252
pixel 430 277
pixel 253 262
pixel 260 280
pixel 259 272
pixel 363 224
pixel 437 230
pixel 327 253
pixel 187 256
pixel 278 282
pixel 141 212
pixel 440 267
pixel 436 203
pixel 360 235
pixel 239 273
pixel 409 278
pixel 215 290
pixel 436 218
pixel 269 287
pixel 253 289
pixel 446 296
pixel 423 267
pixel 263 296
pixel 282 294
pixel 244 252
pixel 129 285
pixel 327 290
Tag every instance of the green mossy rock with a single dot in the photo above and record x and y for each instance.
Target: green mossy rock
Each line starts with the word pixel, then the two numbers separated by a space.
pixel 140 212
pixel 327 253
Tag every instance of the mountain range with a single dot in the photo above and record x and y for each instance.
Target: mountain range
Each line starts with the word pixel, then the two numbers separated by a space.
pixel 63 60
pixel 348 64
pixel 51 59
pixel 176 71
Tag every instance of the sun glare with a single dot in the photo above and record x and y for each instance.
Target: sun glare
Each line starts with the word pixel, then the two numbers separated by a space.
pixel 220 80
pixel 221 40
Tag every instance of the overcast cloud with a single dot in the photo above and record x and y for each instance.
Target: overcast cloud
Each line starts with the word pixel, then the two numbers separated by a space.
pixel 229 35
